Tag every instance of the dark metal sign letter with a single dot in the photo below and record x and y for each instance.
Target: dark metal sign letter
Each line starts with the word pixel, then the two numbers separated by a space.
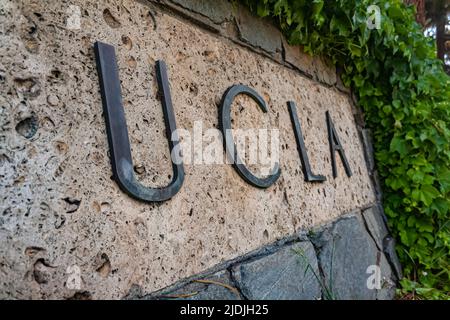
pixel 116 127
pixel 230 146
pixel 335 145
pixel 306 167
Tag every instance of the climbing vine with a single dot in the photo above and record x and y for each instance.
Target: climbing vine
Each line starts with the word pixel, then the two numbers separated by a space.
pixel 405 95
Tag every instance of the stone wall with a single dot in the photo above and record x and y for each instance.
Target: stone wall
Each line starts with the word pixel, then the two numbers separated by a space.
pixel 326 262
pixel 63 217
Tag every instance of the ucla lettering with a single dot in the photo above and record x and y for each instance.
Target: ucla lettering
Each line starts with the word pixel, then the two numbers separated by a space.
pixel 119 144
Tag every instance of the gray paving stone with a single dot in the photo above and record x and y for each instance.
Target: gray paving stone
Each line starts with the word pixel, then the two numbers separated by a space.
pixel 388 287
pixel 218 288
pixel 325 71
pixel 346 251
pixel 315 66
pixel 380 233
pixel 368 149
pixel 296 57
pixel 389 251
pixel 258 32
pixel 283 275
pixel 375 225
pixel 217 10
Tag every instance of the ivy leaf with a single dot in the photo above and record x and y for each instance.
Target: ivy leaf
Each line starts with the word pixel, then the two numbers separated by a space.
pixel 399 145
pixel 262 10
pixel 340 26
pixel 355 50
pixel 395 12
pixel 444 179
pixel 441 206
pixel 424 225
pixel 428 193
pixel 317 7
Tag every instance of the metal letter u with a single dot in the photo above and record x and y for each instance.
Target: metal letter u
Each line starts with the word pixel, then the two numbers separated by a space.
pixel 116 127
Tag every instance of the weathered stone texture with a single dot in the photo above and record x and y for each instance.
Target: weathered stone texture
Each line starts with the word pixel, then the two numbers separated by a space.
pixel 291 273
pixel 312 66
pixel 375 225
pixel 258 32
pixel 59 208
pixel 368 149
pixel 391 254
pixel 217 11
pixel 214 287
pixel 346 251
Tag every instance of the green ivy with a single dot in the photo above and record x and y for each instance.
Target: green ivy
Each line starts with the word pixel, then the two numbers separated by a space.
pixel 405 95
